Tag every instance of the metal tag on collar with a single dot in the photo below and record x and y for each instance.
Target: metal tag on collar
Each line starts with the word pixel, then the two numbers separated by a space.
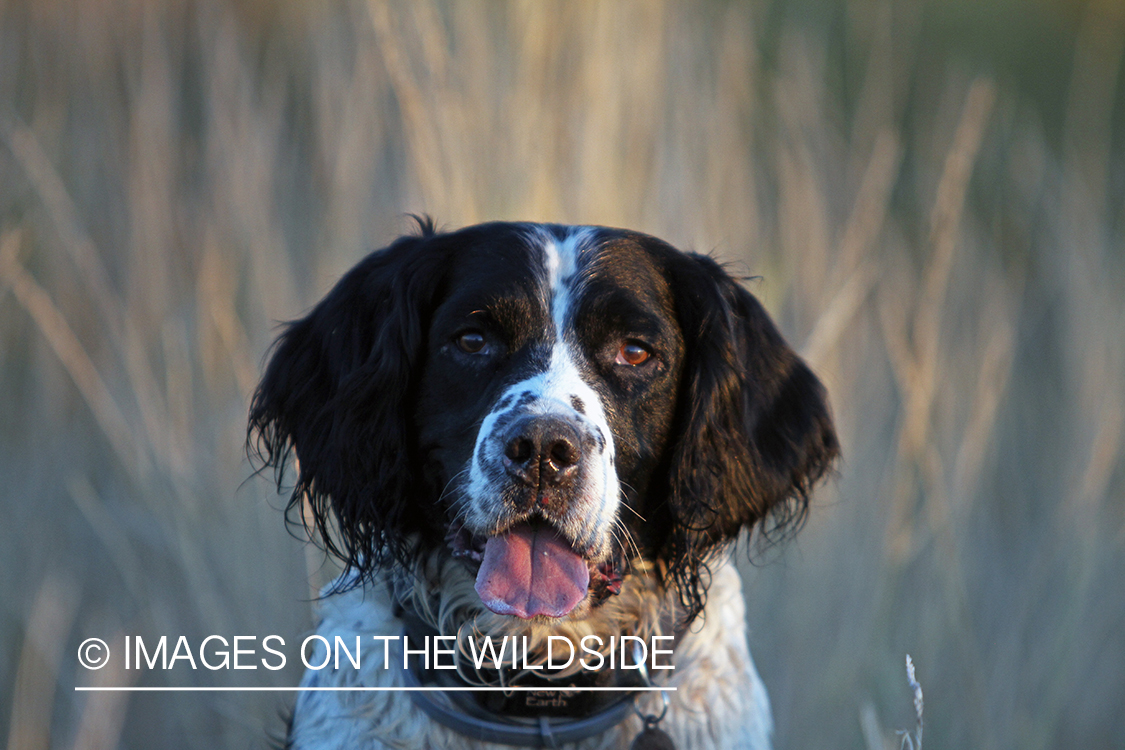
pixel 652 737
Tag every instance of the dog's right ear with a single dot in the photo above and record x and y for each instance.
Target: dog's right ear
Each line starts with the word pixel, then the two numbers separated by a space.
pixel 337 396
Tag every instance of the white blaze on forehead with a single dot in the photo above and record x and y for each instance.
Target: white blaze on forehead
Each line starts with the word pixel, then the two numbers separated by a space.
pixel 562 381
pixel 561 262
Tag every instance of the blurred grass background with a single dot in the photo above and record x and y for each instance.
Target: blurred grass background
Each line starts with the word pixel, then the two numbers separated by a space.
pixel 932 192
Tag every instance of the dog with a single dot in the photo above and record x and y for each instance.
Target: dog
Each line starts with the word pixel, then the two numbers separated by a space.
pixel 536 430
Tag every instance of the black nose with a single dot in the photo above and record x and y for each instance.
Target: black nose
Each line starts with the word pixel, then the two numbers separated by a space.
pixel 542 450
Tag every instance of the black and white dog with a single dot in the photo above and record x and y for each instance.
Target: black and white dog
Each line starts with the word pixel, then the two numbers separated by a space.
pixel 535 430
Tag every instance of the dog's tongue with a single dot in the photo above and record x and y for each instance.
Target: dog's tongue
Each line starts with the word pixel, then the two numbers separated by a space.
pixel 531 571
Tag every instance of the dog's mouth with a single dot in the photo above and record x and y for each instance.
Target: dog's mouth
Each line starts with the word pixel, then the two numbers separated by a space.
pixel 530 570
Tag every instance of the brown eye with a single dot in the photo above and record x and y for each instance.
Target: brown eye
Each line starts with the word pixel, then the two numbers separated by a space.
pixel 631 353
pixel 470 342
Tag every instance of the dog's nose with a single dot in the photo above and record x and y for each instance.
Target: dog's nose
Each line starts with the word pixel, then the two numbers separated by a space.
pixel 542 450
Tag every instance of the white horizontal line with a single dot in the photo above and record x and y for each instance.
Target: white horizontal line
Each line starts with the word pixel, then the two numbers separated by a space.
pixel 518 688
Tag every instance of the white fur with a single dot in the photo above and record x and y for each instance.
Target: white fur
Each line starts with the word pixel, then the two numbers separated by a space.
pixel 719 701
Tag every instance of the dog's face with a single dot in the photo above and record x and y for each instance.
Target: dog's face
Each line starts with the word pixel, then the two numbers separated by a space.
pixel 549 385
pixel 547 402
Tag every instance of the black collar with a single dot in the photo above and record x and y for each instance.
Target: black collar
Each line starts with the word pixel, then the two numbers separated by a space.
pixel 546 718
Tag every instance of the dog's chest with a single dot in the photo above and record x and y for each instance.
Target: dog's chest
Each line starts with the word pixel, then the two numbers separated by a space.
pixel 718 702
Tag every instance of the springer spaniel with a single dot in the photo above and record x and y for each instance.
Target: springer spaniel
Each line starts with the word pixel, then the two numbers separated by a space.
pixel 536 430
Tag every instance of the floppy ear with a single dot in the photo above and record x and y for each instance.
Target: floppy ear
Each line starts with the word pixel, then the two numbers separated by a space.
pixel 337 396
pixel 755 433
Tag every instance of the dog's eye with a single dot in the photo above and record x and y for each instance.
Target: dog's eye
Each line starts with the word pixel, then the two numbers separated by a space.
pixel 470 342
pixel 632 353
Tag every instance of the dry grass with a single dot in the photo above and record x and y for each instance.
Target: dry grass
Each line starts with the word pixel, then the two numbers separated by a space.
pixel 175 178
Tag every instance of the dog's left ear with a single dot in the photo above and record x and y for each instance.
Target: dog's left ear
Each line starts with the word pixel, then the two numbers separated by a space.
pixel 754 428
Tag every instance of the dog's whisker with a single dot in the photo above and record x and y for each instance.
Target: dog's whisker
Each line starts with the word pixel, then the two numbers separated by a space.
pixel 452 479
pixel 633 510
pixel 630 542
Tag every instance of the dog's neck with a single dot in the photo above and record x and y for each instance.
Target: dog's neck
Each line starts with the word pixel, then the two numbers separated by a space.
pixel 439 591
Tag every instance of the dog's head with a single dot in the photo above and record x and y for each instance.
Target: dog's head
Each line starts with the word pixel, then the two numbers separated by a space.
pixel 547 402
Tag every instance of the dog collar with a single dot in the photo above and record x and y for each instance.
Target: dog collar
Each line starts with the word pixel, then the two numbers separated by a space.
pixel 459 711
pixel 542 731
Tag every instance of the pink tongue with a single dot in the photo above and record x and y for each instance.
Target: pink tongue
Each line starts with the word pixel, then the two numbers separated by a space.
pixel 528 572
